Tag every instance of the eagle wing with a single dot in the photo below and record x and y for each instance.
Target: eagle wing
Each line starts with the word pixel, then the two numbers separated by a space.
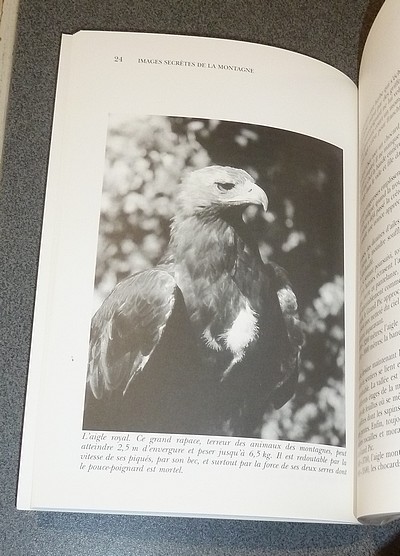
pixel 293 335
pixel 127 328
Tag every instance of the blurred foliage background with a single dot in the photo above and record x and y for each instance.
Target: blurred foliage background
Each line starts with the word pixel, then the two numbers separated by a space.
pixel 302 231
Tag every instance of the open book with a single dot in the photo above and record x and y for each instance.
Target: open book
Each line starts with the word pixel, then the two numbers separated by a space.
pixel 249 189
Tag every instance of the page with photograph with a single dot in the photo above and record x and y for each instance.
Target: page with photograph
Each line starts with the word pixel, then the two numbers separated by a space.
pixel 197 329
pixel 379 381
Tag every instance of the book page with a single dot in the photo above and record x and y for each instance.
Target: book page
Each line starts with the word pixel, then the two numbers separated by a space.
pixel 142 113
pixel 379 378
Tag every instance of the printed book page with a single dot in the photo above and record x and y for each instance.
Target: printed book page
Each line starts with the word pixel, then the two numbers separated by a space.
pixel 135 116
pixel 379 382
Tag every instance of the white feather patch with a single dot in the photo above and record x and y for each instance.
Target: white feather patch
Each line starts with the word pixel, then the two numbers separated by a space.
pixel 210 341
pixel 243 331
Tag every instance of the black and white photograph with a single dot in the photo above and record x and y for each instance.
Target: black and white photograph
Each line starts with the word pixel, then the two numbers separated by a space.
pixel 218 295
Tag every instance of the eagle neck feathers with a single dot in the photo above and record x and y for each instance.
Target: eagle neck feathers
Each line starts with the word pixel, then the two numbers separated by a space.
pixel 211 265
pixel 205 245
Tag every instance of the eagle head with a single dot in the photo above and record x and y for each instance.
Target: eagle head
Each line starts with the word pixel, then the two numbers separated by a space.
pixel 217 189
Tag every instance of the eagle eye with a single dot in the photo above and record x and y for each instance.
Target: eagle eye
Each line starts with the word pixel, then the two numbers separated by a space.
pixel 225 186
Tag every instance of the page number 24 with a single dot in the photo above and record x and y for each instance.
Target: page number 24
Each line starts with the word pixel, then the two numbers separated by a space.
pixel 118 59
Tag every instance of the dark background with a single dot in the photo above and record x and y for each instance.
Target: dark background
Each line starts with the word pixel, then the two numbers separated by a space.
pixel 330 30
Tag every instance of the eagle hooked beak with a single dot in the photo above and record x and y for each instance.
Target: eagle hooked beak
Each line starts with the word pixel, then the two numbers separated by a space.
pixel 255 195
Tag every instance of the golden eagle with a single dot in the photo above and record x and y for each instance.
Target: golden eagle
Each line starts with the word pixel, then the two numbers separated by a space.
pixel 209 339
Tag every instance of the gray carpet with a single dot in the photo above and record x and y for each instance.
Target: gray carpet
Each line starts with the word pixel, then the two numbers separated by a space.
pixel 330 30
